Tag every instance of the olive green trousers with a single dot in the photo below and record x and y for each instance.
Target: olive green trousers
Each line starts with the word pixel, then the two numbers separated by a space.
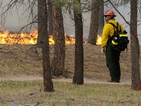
pixel 112 61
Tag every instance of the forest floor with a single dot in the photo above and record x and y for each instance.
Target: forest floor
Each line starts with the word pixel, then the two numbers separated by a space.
pixel 24 62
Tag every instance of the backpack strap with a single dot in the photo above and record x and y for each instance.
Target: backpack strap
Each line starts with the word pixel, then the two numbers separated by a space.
pixel 115 26
pixel 115 29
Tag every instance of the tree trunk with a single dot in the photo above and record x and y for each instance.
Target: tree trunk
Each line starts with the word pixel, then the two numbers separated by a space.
pixel 135 49
pixel 101 19
pixel 94 24
pixel 48 84
pixel 50 18
pixel 40 38
pixel 79 57
pixel 59 38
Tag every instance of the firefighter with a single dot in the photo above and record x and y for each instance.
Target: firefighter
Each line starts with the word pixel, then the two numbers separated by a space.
pixel 112 55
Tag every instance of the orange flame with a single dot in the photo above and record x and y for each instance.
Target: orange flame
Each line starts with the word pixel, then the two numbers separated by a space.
pixel 21 38
pixel 98 42
pixel 31 38
pixel 26 38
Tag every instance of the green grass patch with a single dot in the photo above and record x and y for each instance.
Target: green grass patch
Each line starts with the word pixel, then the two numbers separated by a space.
pixel 15 87
pixel 68 94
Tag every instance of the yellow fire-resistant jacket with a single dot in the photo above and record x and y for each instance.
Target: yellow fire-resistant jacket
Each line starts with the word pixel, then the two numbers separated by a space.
pixel 109 30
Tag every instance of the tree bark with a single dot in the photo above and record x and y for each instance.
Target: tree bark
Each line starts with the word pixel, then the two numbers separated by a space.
pixel 50 18
pixel 101 19
pixel 40 38
pixel 48 84
pixel 79 57
pixel 94 24
pixel 58 65
pixel 135 49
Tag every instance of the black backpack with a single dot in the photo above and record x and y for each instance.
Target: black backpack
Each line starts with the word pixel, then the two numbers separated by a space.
pixel 120 39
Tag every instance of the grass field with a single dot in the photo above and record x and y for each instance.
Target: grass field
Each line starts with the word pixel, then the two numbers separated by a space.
pixel 67 94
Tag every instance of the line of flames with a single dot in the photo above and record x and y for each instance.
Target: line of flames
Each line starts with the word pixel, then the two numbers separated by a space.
pixel 31 38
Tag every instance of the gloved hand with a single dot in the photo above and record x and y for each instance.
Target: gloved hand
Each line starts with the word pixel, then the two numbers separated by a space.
pixel 104 49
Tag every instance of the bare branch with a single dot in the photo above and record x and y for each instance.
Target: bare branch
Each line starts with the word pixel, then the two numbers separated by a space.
pixel 28 7
pixel 118 12
pixel 35 20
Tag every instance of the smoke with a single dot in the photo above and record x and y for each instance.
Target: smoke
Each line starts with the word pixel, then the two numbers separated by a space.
pixel 16 17
pixel 70 28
